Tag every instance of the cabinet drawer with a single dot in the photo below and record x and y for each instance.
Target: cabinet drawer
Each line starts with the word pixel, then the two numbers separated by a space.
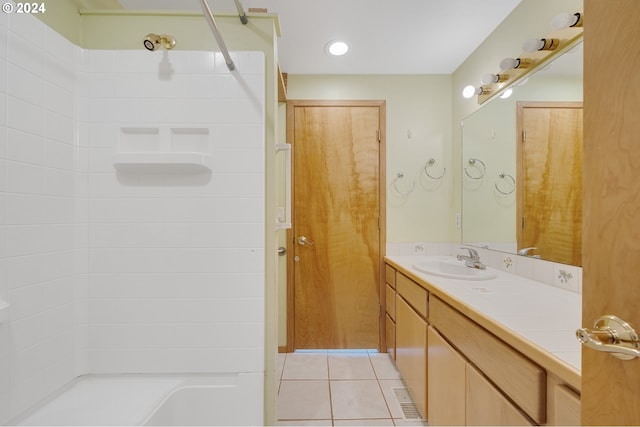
pixel 412 293
pixel 391 336
pixel 390 275
pixel 391 302
pixel 518 377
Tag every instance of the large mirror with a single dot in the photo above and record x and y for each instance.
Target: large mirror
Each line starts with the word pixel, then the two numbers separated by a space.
pixel 522 166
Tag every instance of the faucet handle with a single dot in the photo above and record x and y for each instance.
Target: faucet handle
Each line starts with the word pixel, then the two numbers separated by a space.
pixel 472 252
pixel 525 251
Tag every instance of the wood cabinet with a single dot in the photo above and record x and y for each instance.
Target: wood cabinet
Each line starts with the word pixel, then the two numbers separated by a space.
pixel 411 352
pixel 513 373
pixel 447 382
pixel 390 327
pixel 390 310
pixel 411 338
pixel 487 406
pixel 459 371
pixel 565 406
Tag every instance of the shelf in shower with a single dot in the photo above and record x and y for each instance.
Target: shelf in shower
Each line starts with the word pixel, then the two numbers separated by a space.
pixel 160 161
pixel 4 311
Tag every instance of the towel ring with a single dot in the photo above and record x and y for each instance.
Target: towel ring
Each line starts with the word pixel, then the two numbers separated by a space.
pixel 395 187
pixel 512 183
pixel 430 163
pixel 483 169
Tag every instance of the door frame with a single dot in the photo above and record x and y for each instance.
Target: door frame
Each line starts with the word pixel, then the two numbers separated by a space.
pixel 382 211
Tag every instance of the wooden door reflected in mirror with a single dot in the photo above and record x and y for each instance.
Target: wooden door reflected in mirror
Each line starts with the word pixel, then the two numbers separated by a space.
pixel 549 201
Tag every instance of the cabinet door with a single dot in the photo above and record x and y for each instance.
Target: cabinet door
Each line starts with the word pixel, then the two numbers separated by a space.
pixel 411 352
pixel 566 406
pixel 391 336
pixel 447 384
pixel 391 301
pixel 487 406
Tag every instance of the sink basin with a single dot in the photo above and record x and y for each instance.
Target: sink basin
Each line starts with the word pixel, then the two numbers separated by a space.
pixel 453 270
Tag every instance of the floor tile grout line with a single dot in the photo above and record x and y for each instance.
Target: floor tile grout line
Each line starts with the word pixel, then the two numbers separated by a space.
pixel 329 386
pixel 380 388
pixel 377 378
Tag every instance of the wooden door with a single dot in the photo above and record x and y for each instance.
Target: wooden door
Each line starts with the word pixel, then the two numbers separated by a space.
pixel 611 272
pixel 550 180
pixel 337 200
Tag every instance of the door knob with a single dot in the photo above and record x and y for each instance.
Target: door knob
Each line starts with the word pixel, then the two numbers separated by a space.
pixel 612 335
pixel 304 241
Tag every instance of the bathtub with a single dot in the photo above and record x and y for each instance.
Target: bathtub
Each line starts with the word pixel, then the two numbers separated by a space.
pixel 207 405
pixel 148 399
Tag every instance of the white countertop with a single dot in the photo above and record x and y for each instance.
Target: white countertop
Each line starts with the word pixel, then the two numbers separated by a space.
pixel 542 314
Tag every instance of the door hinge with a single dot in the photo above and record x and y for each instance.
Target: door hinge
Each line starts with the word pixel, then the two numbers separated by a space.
pixel 379 135
pixel 379 224
pixel 524 135
pixel 522 223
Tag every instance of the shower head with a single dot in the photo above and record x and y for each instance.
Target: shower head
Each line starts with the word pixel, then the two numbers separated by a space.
pixel 153 41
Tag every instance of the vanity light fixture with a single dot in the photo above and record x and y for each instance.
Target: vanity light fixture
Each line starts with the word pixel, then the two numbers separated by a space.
pixel 533 45
pixel 566 20
pixel 513 63
pixel 337 48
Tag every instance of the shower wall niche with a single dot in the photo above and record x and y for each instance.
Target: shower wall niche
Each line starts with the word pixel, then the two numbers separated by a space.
pixel 164 148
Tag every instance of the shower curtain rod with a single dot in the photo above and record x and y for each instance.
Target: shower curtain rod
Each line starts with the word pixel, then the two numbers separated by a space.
pixel 221 44
pixel 241 12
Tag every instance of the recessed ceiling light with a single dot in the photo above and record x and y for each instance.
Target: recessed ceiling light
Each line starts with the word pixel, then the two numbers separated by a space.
pixel 337 48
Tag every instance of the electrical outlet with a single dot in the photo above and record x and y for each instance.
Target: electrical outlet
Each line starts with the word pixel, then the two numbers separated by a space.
pixel 458 220
pixel 419 248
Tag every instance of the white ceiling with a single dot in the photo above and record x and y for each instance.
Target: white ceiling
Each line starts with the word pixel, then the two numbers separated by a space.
pixel 386 36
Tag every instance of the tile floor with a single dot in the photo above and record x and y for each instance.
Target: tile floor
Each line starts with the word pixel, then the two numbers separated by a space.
pixel 339 388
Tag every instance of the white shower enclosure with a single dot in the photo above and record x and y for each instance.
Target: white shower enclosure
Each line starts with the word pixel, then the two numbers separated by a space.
pixel 132 228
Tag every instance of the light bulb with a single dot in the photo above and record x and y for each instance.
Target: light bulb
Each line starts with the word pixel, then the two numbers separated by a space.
pixel 489 78
pixel 566 20
pixel 470 91
pixel 507 93
pixel 532 45
pixel 512 63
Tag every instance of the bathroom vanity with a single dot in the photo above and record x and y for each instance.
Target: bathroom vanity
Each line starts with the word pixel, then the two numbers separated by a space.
pixel 499 351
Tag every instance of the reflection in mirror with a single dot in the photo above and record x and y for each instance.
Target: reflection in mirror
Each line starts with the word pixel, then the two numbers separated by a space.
pixel 537 214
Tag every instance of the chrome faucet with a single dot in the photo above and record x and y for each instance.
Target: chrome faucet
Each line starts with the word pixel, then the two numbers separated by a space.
pixel 525 252
pixel 472 260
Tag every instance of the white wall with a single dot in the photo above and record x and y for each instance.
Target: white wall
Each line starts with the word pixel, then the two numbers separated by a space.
pixel 38 216
pixel 125 272
pixel 176 258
